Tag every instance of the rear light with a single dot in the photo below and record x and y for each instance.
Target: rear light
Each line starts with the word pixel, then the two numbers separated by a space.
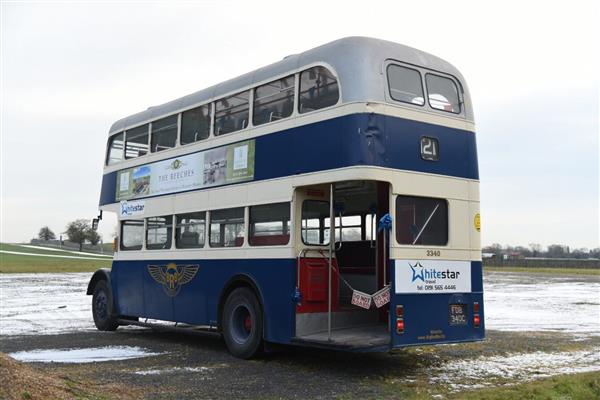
pixel 476 321
pixel 400 325
pixel 115 244
pixel 399 311
pixel 476 308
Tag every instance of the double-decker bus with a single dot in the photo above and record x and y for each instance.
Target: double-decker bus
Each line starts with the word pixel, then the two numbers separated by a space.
pixel 226 200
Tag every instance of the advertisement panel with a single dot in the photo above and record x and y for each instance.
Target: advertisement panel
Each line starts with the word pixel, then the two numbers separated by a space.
pixel 214 167
pixel 432 276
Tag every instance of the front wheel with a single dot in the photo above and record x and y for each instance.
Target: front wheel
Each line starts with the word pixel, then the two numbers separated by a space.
pixel 243 324
pixel 102 308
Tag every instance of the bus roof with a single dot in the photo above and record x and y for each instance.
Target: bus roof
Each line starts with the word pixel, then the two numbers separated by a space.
pixel 349 57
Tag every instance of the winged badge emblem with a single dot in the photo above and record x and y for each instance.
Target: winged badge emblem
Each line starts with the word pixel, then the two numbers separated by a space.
pixel 172 277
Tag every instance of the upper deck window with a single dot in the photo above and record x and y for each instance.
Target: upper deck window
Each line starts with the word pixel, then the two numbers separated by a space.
pixel 318 89
pixel 232 113
pixel 442 93
pixel 115 149
pixel 164 133
pixel 273 101
pixel 195 124
pixel 405 85
pixel 421 221
pixel 136 141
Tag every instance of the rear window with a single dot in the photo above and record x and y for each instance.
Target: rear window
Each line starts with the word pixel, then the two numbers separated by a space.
pixel 442 93
pixel 421 221
pixel 318 89
pixel 405 85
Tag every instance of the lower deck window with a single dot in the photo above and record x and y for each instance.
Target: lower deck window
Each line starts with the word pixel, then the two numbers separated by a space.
pixel 421 221
pixel 190 229
pixel 132 234
pixel 227 227
pixel 269 224
pixel 158 232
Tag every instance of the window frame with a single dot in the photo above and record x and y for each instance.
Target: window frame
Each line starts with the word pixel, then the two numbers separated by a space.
pixel 456 86
pixel 124 222
pixel 147 124
pixel 176 226
pixel 111 139
pixel 289 227
pixel 321 227
pixel 389 86
pixel 168 226
pixel 211 114
pixel 295 77
pixel 244 228
pixel 448 220
pixel 153 133
pixel 249 110
pixel 298 74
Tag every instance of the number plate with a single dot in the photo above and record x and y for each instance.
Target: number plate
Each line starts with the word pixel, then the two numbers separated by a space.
pixel 457 314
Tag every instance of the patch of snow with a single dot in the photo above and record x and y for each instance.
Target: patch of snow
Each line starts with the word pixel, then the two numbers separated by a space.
pixel 172 370
pixel 486 371
pixel 34 304
pixel 21 253
pixel 30 246
pixel 85 355
pixel 534 302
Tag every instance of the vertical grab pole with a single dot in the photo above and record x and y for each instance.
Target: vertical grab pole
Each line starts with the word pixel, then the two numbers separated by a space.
pixel 331 247
pixel 385 264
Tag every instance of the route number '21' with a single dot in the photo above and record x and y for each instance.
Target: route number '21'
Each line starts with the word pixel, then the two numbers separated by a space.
pixel 430 149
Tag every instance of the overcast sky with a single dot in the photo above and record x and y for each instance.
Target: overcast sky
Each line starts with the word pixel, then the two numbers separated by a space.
pixel 69 70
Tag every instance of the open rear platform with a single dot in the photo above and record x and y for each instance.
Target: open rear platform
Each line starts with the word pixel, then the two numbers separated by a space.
pixel 356 338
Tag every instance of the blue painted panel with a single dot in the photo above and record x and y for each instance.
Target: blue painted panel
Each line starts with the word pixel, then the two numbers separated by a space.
pixel 357 139
pixel 427 314
pixel 197 301
pixel 128 288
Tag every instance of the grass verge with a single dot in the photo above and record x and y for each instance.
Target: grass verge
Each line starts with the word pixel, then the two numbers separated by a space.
pixel 20 381
pixel 556 271
pixel 584 386
pixel 22 263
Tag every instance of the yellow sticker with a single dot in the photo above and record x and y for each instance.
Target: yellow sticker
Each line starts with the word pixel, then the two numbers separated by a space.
pixel 477 222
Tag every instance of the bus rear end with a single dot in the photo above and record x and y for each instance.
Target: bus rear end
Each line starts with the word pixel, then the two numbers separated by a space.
pixel 436 272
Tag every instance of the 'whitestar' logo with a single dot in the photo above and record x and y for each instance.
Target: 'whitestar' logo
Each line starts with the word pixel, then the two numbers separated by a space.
pixel 431 273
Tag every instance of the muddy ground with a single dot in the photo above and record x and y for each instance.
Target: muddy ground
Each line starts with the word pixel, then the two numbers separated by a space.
pixel 178 365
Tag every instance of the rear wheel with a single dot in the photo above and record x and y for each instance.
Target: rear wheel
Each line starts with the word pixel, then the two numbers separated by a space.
pixel 102 309
pixel 243 323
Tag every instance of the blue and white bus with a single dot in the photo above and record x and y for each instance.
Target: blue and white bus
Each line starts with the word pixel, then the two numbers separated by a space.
pixel 225 200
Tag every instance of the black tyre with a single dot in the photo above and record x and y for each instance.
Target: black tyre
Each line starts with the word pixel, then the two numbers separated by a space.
pixel 102 308
pixel 243 324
